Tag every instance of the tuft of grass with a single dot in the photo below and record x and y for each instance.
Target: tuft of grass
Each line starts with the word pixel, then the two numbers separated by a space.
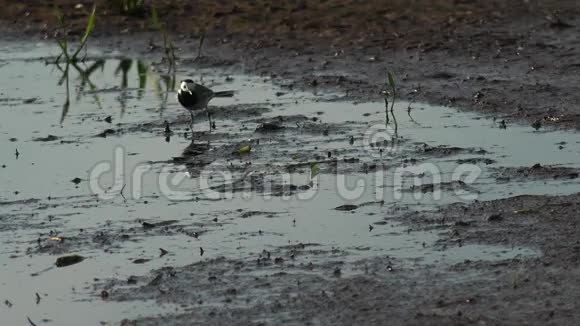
pixel 63 42
pixel 142 69
pixel 124 67
pixel 200 45
pixel 391 91
pixel 170 56
pixel 314 170
pixel 84 76
pixel 167 42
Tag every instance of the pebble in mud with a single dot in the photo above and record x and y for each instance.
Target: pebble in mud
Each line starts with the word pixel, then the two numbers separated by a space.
pixel 494 218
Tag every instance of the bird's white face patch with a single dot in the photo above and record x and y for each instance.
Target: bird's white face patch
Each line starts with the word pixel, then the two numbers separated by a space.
pixel 186 87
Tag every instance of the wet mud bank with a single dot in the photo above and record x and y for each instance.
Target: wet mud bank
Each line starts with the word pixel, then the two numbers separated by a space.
pixel 284 285
pixel 513 61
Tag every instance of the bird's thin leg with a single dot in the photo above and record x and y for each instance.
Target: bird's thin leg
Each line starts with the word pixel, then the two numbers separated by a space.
pixel 191 124
pixel 208 118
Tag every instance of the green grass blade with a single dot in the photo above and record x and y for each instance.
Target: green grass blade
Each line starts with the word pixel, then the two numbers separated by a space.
pixel 391 80
pixel 314 170
pixel 88 31
pixel 62 44
pixel 200 45
pixel 155 19
pixel 124 67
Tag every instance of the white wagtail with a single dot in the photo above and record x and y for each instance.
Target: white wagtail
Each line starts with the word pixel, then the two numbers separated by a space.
pixel 194 97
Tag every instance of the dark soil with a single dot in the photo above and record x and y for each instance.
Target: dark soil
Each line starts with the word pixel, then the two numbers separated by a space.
pixel 513 60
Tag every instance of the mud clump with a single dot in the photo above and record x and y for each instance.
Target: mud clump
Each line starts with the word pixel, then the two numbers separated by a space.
pixel 453 186
pixel 346 207
pixel 105 133
pixel 477 160
pixel 69 260
pixel 269 127
pixel 259 213
pixel 535 172
pixel 443 150
pixel 260 184
pixel 46 139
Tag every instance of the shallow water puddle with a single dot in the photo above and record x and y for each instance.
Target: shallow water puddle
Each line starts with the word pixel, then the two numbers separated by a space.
pixel 326 179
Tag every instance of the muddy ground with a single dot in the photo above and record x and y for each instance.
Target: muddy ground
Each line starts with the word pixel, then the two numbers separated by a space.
pixel 512 61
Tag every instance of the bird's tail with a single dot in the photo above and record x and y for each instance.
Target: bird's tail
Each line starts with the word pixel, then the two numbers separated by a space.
pixel 224 94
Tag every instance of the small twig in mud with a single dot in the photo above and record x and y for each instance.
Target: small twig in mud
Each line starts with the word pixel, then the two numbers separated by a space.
pixel 409 108
pixel 30 321
pixel 168 132
pixel 167 128
pixel 122 192
pixel 391 80
pixel 386 95
pixel 514 280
